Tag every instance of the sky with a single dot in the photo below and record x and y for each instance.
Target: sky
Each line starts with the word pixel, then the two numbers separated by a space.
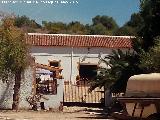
pixel 71 10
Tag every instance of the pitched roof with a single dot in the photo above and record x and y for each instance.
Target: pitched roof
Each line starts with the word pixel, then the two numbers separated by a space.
pixel 38 39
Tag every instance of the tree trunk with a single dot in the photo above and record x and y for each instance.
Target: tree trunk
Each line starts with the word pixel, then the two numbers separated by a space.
pixel 15 105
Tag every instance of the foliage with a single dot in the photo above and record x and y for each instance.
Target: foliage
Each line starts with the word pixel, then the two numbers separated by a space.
pixel 108 22
pixel 26 23
pixel 54 27
pixel 21 21
pixel 14 56
pixel 150 61
pixel 100 25
pixel 13 50
pixel 98 29
pixel 150 12
pixel 136 21
pixel 103 25
pixel 145 25
pixel 76 28
pixel 59 27
pixel 125 30
pixel 122 65
pixel 131 27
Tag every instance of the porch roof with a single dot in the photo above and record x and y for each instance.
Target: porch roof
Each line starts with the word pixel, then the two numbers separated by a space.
pixel 46 67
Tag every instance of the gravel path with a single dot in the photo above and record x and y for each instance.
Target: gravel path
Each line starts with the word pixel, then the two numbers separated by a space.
pixel 69 113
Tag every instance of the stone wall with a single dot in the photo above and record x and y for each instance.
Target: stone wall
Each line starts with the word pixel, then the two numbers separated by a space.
pixel 6 94
pixel 26 88
pixel 6 91
pixel 53 102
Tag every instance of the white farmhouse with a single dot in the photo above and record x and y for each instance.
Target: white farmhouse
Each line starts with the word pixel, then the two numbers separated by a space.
pixel 77 55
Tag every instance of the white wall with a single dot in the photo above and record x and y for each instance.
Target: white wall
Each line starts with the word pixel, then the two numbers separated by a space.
pixel 54 101
pixel 6 93
pixel 70 57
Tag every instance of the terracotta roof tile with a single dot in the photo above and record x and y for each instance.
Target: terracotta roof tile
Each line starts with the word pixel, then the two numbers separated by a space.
pixel 38 39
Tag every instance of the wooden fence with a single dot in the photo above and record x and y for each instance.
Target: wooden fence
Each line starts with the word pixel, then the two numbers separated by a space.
pixel 79 94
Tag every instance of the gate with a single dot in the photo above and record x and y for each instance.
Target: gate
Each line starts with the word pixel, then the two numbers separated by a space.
pixel 78 95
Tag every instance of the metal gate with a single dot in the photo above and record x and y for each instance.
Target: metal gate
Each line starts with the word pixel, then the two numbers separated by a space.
pixel 78 95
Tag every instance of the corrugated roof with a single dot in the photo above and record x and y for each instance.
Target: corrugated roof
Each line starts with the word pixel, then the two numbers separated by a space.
pixel 38 39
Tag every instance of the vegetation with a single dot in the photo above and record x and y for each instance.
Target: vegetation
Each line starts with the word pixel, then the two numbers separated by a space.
pixel 121 65
pixel 26 24
pixel 101 25
pixel 14 56
pixel 146 49
pixel 131 27
pixel 150 61
pixel 143 24
pixel 150 12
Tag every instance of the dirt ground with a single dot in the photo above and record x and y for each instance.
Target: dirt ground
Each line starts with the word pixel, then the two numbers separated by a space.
pixel 69 113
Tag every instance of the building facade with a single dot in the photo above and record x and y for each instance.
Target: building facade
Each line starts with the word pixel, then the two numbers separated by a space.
pixel 75 54
pixel 75 57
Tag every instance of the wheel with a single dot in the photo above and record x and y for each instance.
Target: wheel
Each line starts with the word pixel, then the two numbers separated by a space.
pixel 155 116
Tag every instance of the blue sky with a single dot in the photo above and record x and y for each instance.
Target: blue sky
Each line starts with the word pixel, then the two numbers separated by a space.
pixel 74 10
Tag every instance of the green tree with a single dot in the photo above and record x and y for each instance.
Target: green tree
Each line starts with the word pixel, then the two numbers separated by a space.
pixel 14 56
pixel 54 27
pixel 107 22
pixel 88 29
pixel 98 29
pixel 132 27
pixel 136 21
pixel 26 23
pixel 125 31
pixel 21 21
pixel 150 61
pixel 76 28
pixel 150 12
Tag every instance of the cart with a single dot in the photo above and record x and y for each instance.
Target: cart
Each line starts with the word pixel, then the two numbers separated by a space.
pixel 139 108
pixel 142 98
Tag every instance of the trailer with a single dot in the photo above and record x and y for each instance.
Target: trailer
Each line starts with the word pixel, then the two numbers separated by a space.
pixel 142 98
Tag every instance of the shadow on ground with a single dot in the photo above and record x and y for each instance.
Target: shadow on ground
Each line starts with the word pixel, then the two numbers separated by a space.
pixel 96 114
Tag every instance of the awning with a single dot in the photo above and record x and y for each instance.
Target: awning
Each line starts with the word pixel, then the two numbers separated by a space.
pixel 44 72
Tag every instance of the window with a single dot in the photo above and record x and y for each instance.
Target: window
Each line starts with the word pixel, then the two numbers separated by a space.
pixel 46 78
pixel 54 63
pixel 87 71
pixel 47 87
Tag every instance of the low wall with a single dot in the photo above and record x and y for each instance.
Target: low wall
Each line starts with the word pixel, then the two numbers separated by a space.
pixel 6 94
pixel 26 89
pixel 6 91
pixel 54 102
